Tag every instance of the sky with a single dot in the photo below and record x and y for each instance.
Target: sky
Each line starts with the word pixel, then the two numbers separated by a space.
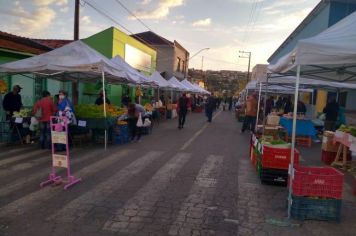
pixel 224 26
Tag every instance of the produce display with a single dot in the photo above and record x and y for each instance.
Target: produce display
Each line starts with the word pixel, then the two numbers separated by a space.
pixel 24 112
pixel 348 129
pixel 148 107
pixel 3 87
pixel 121 122
pixel 95 111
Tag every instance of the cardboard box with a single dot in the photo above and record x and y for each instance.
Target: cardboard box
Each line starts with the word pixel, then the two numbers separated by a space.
pixel 328 144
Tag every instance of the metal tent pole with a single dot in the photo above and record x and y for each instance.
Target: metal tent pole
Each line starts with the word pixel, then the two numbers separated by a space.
pixel 291 166
pixel 258 106
pixel 104 100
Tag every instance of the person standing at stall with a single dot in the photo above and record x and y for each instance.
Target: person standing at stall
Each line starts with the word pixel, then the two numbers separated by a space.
pixel 100 100
pixel 12 101
pixel 133 112
pixel 182 107
pixel 331 111
pixel 251 113
pixel 43 110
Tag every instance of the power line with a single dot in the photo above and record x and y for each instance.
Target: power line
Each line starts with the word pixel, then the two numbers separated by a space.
pixel 226 62
pixel 143 23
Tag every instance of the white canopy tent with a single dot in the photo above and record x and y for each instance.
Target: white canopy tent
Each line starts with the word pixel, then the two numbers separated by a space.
pixel 330 55
pixel 132 73
pixel 161 82
pixel 72 62
pixel 190 86
pixel 178 84
pixel 201 89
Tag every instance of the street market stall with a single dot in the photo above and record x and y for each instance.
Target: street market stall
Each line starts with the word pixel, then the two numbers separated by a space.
pixel 75 61
pixel 329 56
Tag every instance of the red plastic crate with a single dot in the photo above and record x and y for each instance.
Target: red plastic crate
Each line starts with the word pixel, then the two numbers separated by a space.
pixel 329 157
pixel 324 182
pixel 278 158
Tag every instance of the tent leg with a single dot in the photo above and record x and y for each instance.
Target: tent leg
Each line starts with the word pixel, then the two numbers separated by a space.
pixel 258 106
pixel 291 166
pixel 104 100
pixel 312 106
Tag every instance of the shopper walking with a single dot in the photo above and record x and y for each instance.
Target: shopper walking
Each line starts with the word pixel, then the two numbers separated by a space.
pixel 43 110
pixel 210 107
pixel 182 107
pixel 251 113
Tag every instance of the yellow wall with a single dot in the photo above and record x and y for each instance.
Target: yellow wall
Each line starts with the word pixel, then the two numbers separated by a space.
pixel 119 41
pixel 321 100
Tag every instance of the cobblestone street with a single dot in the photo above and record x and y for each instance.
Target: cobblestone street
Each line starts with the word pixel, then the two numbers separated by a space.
pixel 194 181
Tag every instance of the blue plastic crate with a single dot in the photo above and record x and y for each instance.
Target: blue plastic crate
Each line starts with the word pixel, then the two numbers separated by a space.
pixel 5 126
pixel 306 208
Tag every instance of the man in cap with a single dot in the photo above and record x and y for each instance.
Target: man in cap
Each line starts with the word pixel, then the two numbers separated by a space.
pixel 12 101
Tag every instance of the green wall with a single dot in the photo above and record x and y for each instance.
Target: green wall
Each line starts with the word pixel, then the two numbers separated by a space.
pixel 111 42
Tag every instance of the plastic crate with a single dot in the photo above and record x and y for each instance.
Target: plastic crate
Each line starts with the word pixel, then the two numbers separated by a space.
pixel 278 158
pixel 318 182
pixel 5 126
pixel 329 157
pixel 273 176
pixel 305 208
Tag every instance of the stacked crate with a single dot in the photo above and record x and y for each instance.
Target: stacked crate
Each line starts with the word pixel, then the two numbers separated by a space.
pixel 5 132
pixel 121 134
pixel 273 164
pixel 316 193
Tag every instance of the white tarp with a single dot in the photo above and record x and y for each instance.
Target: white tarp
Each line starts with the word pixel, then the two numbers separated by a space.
pixel 162 83
pixel 330 55
pixel 178 84
pixel 132 73
pixel 76 58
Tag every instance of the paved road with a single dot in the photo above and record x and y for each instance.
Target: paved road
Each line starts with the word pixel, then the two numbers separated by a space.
pixel 195 181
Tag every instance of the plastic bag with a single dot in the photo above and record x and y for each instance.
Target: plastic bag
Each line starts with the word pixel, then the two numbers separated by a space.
pixel 146 122
pixel 139 121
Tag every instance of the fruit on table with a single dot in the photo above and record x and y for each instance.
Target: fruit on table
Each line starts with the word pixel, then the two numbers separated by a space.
pixel 277 142
pixel 3 87
pixel 95 111
pixel 24 112
pixel 148 107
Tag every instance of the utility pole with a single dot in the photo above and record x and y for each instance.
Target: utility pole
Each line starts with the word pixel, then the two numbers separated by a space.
pixel 246 55
pixel 75 93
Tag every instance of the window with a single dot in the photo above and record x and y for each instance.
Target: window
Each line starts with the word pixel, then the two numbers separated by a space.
pixel 183 66
pixel 178 64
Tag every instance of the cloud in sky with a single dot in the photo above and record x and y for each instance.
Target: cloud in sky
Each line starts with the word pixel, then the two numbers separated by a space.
pixel 161 10
pixel 27 23
pixel 49 2
pixel 203 22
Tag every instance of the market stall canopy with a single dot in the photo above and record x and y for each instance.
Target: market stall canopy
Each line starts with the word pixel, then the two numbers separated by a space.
pixel 274 88
pixel 132 73
pixel 178 84
pixel 201 89
pixel 330 55
pixel 289 81
pixel 190 86
pixel 162 83
pixel 73 61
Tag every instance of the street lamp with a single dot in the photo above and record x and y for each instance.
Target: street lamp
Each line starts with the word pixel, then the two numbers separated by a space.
pixel 195 54
pixel 249 61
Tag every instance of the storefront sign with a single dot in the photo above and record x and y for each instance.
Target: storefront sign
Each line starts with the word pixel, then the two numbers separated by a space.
pixel 60 160
pixel 59 137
